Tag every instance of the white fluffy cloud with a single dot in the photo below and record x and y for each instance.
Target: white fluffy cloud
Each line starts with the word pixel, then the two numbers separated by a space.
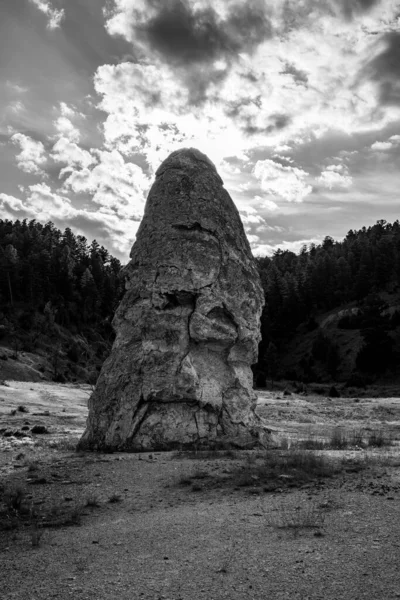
pixel 335 176
pixel 64 123
pixel 266 204
pixel 69 153
pixel 66 128
pixel 118 187
pixel 54 15
pixel 289 183
pixel 392 142
pixel 32 155
pixel 381 146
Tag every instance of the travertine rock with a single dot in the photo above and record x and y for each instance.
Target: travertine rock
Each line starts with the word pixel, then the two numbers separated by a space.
pixel 188 326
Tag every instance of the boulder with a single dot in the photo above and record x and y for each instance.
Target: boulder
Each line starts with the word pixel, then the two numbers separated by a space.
pixel 188 326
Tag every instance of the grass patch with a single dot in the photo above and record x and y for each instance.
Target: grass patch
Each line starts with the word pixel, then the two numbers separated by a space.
pixel 296 514
pixel 290 468
pixel 92 501
pixel 378 438
pixel 115 498
pixel 343 439
pixel 19 512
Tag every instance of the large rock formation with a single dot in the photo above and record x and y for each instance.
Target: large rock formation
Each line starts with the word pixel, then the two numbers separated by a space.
pixel 188 325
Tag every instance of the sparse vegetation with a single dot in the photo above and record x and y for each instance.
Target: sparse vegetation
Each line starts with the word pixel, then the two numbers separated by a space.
pixel 19 513
pixel 92 501
pixel 377 438
pixel 115 498
pixel 296 514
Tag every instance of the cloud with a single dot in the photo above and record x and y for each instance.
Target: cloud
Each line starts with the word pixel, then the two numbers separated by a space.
pixel 267 204
pixel 69 153
pixel 281 90
pixel 392 142
pixel 249 215
pixel 32 154
pixel 55 16
pixel 381 146
pixel 335 176
pixel 300 77
pixel 293 246
pixel 66 111
pixel 67 129
pixel 14 208
pixel 384 68
pixel 64 125
pixel 287 182
pixel 351 8
pixel 48 203
pixel 116 186
pixel 199 42
pixel 16 88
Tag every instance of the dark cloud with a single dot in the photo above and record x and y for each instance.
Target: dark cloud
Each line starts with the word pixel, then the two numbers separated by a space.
pixel 191 40
pixel 384 69
pixel 300 77
pixel 183 35
pixel 351 8
pixel 249 125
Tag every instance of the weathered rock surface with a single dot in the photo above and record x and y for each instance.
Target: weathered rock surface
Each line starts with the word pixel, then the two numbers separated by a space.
pixel 187 329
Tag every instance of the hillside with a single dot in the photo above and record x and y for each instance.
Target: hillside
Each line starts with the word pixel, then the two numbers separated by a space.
pixel 332 312
pixel 57 298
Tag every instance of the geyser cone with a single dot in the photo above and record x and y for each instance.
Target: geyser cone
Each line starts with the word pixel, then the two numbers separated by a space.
pixel 187 329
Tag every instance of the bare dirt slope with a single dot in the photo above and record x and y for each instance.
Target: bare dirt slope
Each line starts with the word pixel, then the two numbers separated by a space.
pixel 164 526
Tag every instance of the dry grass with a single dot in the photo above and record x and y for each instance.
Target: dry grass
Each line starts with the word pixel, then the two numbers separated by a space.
pixel 20 513
pixel 291 467
pixel 343 438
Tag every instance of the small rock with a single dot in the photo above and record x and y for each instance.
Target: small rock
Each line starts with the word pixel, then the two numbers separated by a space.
pixel 39 429
pixel 38 481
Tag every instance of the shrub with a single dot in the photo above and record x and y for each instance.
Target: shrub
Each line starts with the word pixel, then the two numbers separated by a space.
pixel 338 439
pixel 293 467
pixel 377 439
pixel 333 392
pixel 92 501
pixel 115 498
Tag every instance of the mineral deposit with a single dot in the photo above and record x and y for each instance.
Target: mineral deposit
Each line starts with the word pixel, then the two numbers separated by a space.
pixel 187 329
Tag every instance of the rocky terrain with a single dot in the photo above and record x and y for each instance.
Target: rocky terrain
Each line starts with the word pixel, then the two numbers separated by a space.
pixel 178 525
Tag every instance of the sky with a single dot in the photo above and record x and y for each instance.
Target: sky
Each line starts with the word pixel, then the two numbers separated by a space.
pixel 297 103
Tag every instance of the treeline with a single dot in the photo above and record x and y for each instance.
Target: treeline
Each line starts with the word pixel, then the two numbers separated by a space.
pixel 58 291
pixel 298 287
pixel 50 279
pixel 40 265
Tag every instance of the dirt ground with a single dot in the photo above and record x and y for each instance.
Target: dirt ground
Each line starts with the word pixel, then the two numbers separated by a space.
pixel 177 526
